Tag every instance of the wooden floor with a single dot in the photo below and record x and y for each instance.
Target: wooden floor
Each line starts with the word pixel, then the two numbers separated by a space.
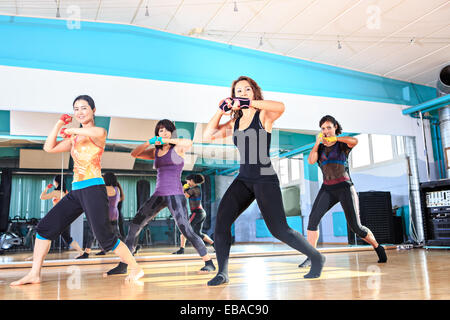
pixel 409 274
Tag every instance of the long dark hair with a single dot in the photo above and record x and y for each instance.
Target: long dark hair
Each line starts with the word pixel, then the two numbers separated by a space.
pixel 333 121
pixel 197 177
pixel 57 179
pixel 257 93
pixel 169 126
pixel 110 179
pixel 89 100
pixel 86 98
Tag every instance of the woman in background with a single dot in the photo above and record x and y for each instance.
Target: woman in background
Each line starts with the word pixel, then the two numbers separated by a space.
pixel 56 195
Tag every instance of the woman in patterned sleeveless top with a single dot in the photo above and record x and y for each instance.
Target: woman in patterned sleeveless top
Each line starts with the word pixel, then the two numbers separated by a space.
pixel 331 153
pixel 88 194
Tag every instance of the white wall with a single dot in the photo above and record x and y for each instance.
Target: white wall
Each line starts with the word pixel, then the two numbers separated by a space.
pixel 53 91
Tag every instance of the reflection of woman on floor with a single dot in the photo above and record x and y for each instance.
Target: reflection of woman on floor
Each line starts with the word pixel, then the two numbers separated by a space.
pixel 56 195
pixel 193 192
pixel 331 153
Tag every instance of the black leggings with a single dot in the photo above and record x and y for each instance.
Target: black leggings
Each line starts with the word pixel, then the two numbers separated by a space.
pixel 66 236
pixel 89 240
pixel 198 217
pixel 237 198
pixel 327 198
pixel 93 201
pixel 178 209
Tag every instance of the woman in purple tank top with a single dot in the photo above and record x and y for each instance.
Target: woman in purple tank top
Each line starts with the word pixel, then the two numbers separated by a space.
pixel 168 155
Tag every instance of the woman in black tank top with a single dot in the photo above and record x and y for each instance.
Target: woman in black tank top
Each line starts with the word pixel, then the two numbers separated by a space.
pixel 251 123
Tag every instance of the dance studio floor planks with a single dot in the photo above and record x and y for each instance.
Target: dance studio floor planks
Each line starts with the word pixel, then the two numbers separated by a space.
pixel 349 274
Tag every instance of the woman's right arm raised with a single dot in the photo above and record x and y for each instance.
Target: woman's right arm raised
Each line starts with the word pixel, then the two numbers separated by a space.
pixel 313 155
pixel 53 146
pixel 142 152
pixel 214 130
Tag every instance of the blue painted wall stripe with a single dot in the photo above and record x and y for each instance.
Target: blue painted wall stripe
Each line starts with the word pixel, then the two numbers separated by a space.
pixel 131 51
pixel 311 172
pixel 4 122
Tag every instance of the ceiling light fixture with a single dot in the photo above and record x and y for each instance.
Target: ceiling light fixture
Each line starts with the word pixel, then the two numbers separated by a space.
pixel 339 46
pixel 146 9
pixel 58 14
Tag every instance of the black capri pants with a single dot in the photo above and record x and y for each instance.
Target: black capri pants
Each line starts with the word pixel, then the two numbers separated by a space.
pixel 66 236
pixel 197 219
pixel 93 201
pixel 347 197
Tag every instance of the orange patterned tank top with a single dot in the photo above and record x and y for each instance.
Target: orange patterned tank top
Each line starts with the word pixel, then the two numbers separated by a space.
pixel 55 200
pixel 86 159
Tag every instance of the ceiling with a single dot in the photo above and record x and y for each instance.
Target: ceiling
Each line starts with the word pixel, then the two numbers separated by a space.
pixel 401 39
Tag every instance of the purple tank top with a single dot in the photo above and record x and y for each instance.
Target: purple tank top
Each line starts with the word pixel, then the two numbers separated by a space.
pixel 168 178
pixel 113 202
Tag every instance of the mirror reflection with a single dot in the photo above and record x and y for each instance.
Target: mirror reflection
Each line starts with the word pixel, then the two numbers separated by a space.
pixel 38 179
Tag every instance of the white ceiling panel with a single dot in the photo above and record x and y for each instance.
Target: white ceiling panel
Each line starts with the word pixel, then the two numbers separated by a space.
pixel 374 34
pixel 429 23
pixel 117 160
pixel 345 28
pixel 267 21
pixel 394 61
pixel 315 18
pixel 84 9
pixel 131 129
pixel 429 74
pixel 427 63
pixel 228 19
pixel 35 123
pixel 333 55
pixel 39 159
pixel 403 15
pixel 362 15
pixel 118 10
pixel 41 8
pixel 160 12
pixel 193 14
pixel 8 7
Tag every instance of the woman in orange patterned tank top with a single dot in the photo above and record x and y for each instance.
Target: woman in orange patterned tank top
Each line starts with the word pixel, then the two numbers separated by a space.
pixel 88 193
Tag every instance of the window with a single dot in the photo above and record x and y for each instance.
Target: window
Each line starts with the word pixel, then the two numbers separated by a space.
pixel 25 201
pixel 361 154
pixel 289 170
pixel 375 148
pixel 295 168
pixel 400 145
pixel 284 171
pixel 381 147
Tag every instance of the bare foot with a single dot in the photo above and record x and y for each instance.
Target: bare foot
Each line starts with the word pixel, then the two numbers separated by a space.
pixel 29 258
pixel 28 279
pixel 135 274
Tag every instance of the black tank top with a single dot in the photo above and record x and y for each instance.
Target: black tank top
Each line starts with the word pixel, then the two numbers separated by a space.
pixel 253 144
pixel 195 199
